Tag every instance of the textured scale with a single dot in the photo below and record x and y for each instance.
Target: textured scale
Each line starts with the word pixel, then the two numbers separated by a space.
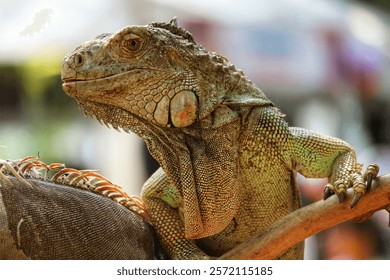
pixel 228 158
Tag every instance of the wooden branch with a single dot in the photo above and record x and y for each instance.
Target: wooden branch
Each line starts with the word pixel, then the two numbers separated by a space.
pixel 309 220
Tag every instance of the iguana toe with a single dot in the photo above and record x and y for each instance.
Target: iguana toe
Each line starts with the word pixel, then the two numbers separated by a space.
pixel 328 191
pixel 362 184
pixel 339 188
pixel 371 173
pixel 359 183
pixel 359 188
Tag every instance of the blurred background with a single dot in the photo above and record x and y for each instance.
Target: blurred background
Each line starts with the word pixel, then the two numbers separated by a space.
pixel 325 63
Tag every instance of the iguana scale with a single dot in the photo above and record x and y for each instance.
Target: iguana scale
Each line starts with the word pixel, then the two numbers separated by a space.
pixel 228 158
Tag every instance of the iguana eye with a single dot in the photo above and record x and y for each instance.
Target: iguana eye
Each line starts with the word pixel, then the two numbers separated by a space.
pixel 133 43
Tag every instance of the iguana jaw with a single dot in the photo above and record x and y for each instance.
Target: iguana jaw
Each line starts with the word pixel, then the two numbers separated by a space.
pixel 77 87
pixel 109 116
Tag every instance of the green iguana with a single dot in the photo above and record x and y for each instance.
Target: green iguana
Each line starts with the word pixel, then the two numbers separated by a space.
pixel 228 158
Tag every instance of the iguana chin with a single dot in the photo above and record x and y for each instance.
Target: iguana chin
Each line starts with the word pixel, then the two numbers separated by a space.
pixel 228 158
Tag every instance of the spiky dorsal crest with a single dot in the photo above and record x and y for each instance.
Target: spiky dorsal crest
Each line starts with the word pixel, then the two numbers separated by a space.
pixel 175 29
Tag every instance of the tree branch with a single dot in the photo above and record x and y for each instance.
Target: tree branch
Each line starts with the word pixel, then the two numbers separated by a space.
pixel 309 220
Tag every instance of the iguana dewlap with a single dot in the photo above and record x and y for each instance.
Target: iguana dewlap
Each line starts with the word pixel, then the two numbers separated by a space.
pixel 228 158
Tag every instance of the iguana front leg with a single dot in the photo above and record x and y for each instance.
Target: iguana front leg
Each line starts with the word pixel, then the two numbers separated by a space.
pixel 163 206
pixel 319 156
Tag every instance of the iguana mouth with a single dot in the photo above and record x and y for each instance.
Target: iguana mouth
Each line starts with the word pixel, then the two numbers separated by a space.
pixel 74 86
pixel 72 81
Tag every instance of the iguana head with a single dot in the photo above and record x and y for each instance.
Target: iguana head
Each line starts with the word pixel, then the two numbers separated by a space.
pixel 156 81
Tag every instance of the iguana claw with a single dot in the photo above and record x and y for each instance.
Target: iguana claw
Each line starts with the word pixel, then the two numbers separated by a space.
pixel 369 181
pixel 341 196
pixel 370 174
pixel 328 191
pixel 338 188
pixel 355 199
pixel 359 188
pixel 358 182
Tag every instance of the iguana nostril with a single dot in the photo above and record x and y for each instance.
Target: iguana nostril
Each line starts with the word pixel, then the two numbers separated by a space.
pixel 79 60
